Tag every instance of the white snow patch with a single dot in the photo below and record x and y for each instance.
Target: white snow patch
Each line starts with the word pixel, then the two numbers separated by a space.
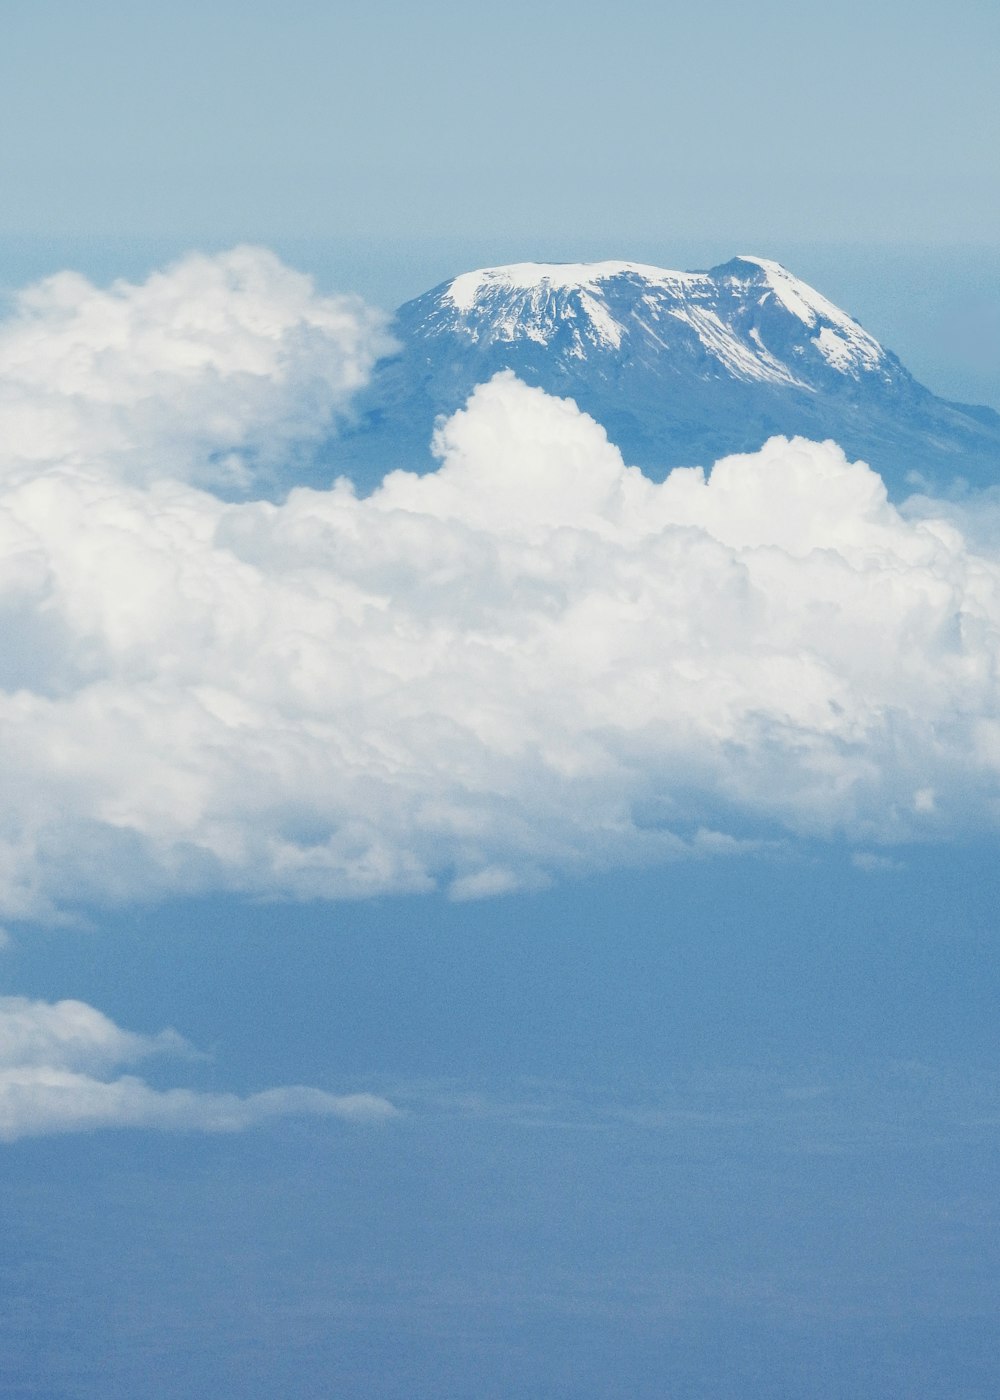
pixel 607 328
pixel 835 349
pixel 466 290
pixel 845 344
pixel 847 355
pixel 721 342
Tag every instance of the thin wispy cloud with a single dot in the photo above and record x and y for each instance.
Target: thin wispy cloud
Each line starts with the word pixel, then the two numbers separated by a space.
pixel 58 1063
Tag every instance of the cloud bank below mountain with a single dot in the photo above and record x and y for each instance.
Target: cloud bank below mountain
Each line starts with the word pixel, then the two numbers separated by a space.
pixel 532 662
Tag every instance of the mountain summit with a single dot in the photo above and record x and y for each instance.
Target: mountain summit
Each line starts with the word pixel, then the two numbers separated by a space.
pixel 680 368
pixel 737 316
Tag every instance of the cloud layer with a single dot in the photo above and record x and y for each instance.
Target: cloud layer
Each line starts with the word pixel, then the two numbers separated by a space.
pixel 55 1065
pixel 533 661
pixel 219 371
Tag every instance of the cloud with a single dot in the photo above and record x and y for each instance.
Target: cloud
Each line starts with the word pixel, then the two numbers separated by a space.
pixel 55 1062
pixel 872 863
pixel 531 662
pixel 217 370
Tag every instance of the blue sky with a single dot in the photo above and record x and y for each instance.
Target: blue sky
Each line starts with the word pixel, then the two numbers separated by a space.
pixel 387 149
pixel 412 986
pixel 788 121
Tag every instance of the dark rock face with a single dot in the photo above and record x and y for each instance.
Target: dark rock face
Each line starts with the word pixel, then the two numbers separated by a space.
pixel 680 368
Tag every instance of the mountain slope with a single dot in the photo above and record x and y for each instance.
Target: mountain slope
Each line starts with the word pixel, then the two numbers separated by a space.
pixel 680 368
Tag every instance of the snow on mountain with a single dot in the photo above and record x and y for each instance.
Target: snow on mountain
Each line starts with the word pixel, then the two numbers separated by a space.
pixel 679 367
pixel 605 304
pixel 842 342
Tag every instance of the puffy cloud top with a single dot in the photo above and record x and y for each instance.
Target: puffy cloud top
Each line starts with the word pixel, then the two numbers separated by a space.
pixel 213 371
pixel 70 1035
pixel 533 661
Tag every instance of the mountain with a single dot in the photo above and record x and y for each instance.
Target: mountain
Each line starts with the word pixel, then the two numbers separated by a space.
pixel 680 368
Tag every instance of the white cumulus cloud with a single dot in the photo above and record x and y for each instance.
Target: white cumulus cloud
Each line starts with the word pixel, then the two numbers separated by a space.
pixel 530 662
pixel 214 371
pixel 56 1063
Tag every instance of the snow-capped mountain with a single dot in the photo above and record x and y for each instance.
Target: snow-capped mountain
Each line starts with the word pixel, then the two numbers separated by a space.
pixel 736 316
pixel 679 367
